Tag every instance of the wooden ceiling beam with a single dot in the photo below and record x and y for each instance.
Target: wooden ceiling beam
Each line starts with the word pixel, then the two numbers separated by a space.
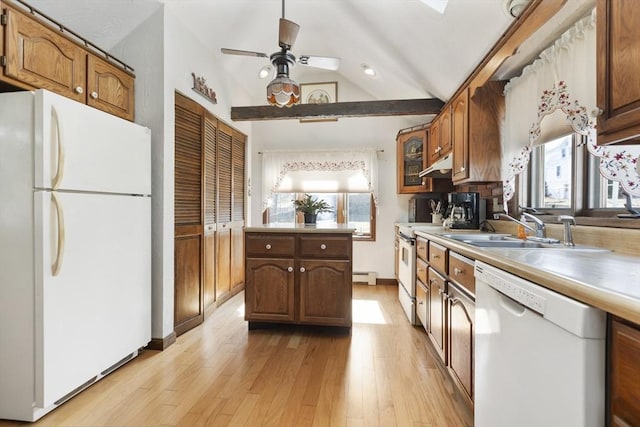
pixel 337 110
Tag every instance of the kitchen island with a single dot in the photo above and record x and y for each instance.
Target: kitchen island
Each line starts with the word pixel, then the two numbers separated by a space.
pixel 298 274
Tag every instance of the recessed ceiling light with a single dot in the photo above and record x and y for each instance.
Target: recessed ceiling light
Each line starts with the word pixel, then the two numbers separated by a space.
pixel 265 71
pixel 368 70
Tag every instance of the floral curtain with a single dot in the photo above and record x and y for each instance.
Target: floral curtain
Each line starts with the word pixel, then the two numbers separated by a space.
pixel 353 171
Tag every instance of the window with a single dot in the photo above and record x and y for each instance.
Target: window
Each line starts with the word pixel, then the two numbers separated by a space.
pixel 354 209
pixel 552 174
pixel 572 183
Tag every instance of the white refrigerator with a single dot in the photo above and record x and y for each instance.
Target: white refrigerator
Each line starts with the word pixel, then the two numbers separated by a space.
pixel 75 248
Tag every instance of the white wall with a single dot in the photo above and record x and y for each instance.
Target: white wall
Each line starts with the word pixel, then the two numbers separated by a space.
pixel 365 132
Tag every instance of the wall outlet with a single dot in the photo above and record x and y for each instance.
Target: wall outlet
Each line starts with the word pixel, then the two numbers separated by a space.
pixel 497 205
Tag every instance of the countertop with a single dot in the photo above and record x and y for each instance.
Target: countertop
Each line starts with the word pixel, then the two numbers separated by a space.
pixel 300 228
pixel 606 280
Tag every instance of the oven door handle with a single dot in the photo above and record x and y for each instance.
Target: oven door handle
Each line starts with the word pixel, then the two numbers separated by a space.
pixel 410 240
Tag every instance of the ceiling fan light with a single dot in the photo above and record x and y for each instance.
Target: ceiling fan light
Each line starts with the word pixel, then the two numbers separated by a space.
pixel 283 92
pixel 265 71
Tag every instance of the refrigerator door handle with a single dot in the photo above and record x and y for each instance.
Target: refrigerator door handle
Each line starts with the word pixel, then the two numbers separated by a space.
pixel 57 179
pixel 57 263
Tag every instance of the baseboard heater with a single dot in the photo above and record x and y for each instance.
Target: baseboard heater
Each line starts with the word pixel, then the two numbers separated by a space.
pixel 368 277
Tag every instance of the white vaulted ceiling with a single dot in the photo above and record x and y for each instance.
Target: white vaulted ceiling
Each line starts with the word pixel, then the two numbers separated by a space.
pixel 416 51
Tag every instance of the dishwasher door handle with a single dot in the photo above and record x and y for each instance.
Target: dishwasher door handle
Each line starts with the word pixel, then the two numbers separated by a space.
pixel 512 306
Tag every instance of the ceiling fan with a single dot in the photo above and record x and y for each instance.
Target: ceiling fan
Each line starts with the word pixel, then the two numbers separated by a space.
pixel 283 91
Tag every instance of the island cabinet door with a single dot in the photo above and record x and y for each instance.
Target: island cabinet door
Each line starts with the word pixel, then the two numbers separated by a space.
pixel 325 292
pixel 269 290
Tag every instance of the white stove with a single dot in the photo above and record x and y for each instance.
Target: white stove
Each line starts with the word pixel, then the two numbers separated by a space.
pixel 407 264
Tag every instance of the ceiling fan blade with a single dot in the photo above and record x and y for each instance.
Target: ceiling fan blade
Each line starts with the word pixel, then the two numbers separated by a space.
pixel 288 33
pixel 324 62
pixel 243 52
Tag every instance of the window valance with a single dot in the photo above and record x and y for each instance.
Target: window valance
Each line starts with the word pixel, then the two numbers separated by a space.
pixel 349 171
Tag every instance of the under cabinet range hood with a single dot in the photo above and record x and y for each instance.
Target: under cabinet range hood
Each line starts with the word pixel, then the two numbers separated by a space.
pixel 440 169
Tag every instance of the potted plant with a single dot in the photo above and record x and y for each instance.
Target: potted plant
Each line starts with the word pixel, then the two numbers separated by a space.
pixel 311 207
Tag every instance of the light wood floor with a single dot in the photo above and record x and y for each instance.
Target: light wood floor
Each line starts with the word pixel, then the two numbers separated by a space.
pixel 219 374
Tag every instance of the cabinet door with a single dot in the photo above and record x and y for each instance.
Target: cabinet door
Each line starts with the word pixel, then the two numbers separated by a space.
pixel 39 57
pixel 422 304
pixel 446 143
pixel 269 290
pixel 461 317
pixel 618 70
pixel 624 374
pixel 325 292
pixel 109 88
pixel 189 238
pixel 437 312
pixel 410 158
pixel 223 263
pixel 237 255
pixel 460 134
pixel 434 147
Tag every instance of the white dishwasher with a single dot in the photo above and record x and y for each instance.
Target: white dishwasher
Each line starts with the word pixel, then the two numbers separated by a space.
pixel 539 356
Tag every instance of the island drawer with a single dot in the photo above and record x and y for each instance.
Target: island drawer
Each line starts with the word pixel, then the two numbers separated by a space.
pixel 461 271
pixel 325 246
pixel 269 245
pixel 421 270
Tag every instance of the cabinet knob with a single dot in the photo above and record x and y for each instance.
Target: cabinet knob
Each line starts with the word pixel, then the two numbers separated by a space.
pixel 94 95
pixel 302 270
pixel 268 246
pixel 462 168
pixel 323 246
pixel 597 112
pixel 78 90
pixel 457 271
pixel 290 269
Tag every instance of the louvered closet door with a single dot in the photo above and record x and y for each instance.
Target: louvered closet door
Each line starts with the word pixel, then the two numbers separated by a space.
pixel 237 209
pixel 223 212
pixel 188 280
pixel 210 191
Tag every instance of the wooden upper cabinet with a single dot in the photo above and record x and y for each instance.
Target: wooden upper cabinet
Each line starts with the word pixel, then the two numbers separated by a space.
pixel 440 142
pixel 476 133
pixel 618 70
pixel 460 136
pixel 109 88
pixel 411 160
pixel 38 57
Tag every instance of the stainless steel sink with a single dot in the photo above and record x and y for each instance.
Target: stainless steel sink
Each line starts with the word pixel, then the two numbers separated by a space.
pixel 477 237
pixel 508 244
pixel 507 241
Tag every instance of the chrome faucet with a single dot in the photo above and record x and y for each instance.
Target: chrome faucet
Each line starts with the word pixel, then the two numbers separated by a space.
pixel 567 220
pixel 510 218
pixel 540 231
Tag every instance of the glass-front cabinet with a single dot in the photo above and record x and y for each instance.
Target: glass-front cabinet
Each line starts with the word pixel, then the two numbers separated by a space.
pixel 411 160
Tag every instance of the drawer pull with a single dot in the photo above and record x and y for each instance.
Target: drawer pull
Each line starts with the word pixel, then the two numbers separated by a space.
pixel 420 302
pixel 323 246
pixel 457 271
pixel 268 246
pixel 434 256
pixel 290 269
pixel 302 270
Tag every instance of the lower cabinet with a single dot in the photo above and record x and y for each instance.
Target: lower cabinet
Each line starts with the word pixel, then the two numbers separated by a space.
pixel 623 373
pixel 445 305
pixel 437 313
pixel 461 311
pixel 270 297
pixel 298 278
